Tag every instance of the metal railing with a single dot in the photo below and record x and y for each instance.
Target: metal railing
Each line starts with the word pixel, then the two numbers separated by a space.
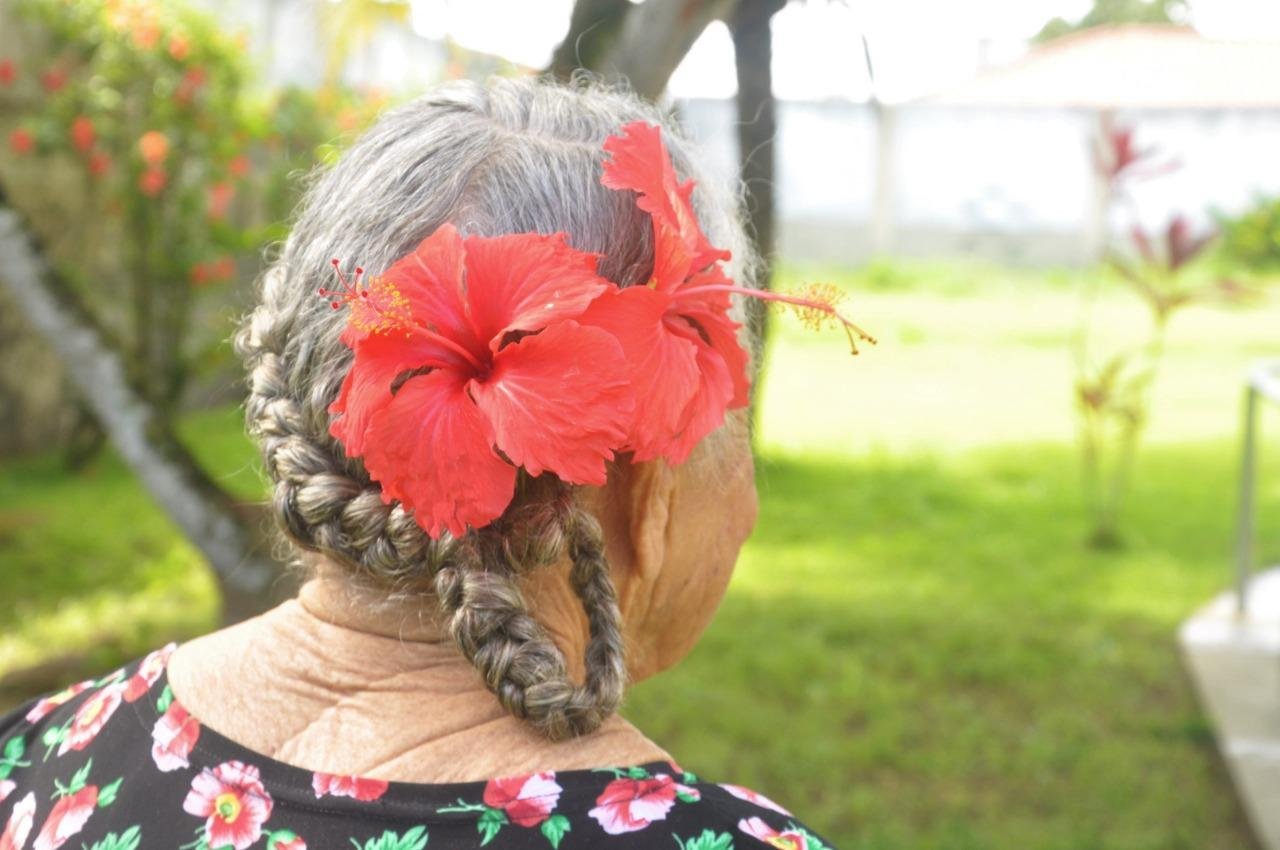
pixel 1263 384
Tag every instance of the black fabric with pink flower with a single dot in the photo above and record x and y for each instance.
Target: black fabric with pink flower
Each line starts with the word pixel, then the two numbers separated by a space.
pixel 118 764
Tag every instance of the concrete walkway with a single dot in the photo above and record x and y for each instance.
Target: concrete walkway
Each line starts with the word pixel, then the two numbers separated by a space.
pixel 1234 660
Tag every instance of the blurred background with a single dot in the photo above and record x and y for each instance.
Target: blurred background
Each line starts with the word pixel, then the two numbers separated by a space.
pixel 958 622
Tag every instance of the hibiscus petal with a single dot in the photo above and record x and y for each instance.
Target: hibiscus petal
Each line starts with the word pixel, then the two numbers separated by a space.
pixel 431 278
pixel 721 334
pixel 378 360
pixel 559 401
pixel 640 162
pixel 662 366
pixel 716 388
pixel 525 281
pixel 431 449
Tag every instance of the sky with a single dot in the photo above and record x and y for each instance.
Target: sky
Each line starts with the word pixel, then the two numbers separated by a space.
pixel 917 46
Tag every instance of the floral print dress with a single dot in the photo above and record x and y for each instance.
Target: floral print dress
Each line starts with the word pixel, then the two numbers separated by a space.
pixel 118 764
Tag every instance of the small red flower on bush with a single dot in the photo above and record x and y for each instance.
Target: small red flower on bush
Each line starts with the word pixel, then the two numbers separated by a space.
pixel 54 80
pixel 83 134
pixel 469 347
pixel 21 142
pixel 179 47
pixel 152 182
pixel 153 147
pixel 8 72
pixel 99 163
pixel 238 166
pixel 220 196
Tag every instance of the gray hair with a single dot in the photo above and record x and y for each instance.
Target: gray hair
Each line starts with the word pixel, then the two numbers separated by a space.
pixel 512 156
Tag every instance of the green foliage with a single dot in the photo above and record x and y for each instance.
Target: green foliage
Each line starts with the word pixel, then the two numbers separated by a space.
pixel 1105 12
pixel 1252 239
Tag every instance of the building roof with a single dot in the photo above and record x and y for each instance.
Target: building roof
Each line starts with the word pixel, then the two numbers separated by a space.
pixel 1135 66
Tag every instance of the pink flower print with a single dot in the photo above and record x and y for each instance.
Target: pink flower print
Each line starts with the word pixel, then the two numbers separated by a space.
pixel 786 840
pixel 233 800
pixel 348 786
pixel 526 800
pixel 92 715
pixel 148 672
pixel 627 805
pixel 67 818
pixel 174 736
pixel 18 828
pixel 42 708
pixel 755 798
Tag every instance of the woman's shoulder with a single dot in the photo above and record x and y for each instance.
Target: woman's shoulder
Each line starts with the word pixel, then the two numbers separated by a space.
pixel 123 741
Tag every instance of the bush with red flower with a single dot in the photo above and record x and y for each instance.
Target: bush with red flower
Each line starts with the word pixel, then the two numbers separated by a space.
pixel 160 163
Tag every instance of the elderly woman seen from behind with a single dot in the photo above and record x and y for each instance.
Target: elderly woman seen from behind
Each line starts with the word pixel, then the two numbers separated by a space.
pixel 514 463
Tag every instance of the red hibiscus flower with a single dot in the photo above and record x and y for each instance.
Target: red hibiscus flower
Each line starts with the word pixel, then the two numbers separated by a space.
pixel 232 798
pixel 789 839
pixel 21 141
pixel 83 134
pixel 148 673
pixel 682 347
pixel 174 736
pixel 8 72
pixel 527 800
pixel 67 818
pixel 755 798
pixel 627 805
pixel 469 344
pixel 18 828
pixel 92 715
pixel 42 708
pixel 348 786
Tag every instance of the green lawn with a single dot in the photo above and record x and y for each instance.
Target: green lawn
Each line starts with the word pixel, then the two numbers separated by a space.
pixel 917 651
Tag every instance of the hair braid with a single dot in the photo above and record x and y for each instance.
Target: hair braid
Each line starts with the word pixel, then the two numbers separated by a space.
pixel 488 619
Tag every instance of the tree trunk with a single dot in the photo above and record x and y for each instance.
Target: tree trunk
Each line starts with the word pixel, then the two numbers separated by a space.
pixel 757 130
pixel 654 37
pixel 224 532
pixel 593 28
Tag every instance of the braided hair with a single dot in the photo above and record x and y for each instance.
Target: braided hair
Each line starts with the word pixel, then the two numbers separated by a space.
pixel 507 157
